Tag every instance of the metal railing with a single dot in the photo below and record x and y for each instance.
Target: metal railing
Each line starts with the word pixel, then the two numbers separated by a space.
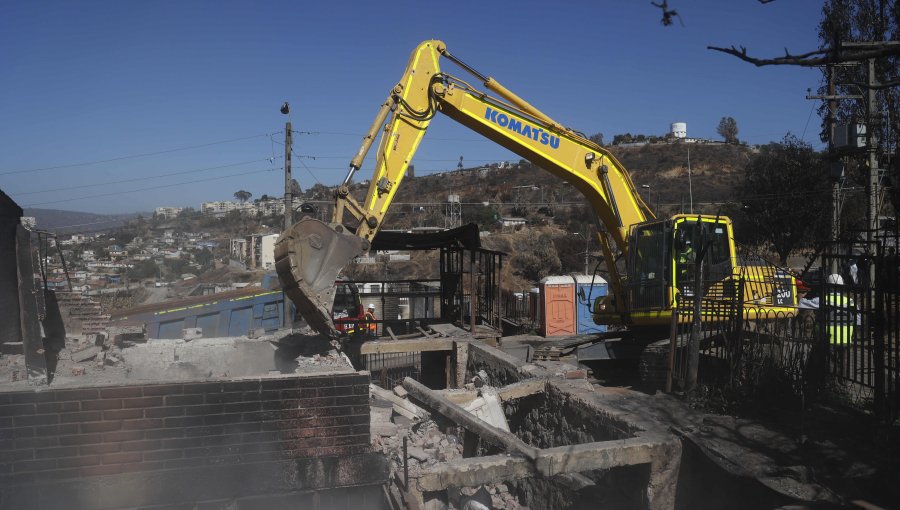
pixel 842 340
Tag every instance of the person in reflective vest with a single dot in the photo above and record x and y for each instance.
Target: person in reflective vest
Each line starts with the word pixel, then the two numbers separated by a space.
pixel 685 261
pixel 839 315
pixel 371 326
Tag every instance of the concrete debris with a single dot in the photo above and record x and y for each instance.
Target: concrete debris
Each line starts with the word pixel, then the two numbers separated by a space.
pixel 419 453
pixel 123 336
pixel 86 354
pixel 487 407
pixel 401 406
pixel 428 446
pixel 191 334
pixel 480 379
pixel 400 391
pixel 121 354
pixel 102 340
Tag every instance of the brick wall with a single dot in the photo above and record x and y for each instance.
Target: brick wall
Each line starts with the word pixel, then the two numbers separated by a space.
pixel 73 433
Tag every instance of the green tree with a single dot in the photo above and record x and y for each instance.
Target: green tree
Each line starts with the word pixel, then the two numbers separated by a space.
pixel 205 259
pixel 728 129
pixel 143 269
pixel 597 138
pixel 537 258
pixel 785 196
pixel 242 196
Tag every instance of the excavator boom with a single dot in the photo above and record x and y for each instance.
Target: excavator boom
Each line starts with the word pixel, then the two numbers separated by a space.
pixel 311 253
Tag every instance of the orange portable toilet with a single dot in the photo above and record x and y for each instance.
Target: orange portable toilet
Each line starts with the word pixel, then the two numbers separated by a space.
pixel 558 306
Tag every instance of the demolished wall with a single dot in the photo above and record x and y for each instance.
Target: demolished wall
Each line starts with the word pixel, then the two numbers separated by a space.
pixel 282 437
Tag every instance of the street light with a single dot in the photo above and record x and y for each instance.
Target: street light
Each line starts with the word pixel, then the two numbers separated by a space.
pixel 587 247
pixel 647 187
pixel 650 197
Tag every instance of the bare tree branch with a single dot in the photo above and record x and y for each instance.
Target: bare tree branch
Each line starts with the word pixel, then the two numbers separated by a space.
pixel 812 58
pixel 667 14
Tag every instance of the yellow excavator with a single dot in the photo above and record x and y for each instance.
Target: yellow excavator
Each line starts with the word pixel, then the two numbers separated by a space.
pixel 658 253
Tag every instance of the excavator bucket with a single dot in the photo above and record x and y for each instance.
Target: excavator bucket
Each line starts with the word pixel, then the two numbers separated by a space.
pixel 308 257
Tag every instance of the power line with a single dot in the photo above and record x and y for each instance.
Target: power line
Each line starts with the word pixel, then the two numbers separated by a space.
pixel 359 135
pixel 106 183
pixel 452 160
pixel 132 156
pixel 163 186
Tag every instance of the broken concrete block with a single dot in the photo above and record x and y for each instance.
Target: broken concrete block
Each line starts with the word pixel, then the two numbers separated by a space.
pixel 76 371
pixel 417 453
pixel 256 333
pixel 101 339
pixel 191 333
pixel 85 354
pixel 400 391
pixel 385 429
pixel 122 334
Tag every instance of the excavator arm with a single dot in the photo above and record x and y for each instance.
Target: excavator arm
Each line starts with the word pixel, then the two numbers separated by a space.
pixel 310 254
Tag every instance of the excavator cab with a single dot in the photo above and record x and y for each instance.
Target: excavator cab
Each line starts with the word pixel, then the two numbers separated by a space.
pixel 661 265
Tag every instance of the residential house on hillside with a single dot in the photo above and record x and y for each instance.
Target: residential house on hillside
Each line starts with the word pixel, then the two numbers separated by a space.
pixel 512 222
pixel 167 212
pixel 117 252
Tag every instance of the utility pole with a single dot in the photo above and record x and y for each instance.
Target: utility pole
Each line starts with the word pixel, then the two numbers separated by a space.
pixel 837 171
pixel 690 186
pixel 872 150
pixel 288 194
pixel 287 320
pixel 587 252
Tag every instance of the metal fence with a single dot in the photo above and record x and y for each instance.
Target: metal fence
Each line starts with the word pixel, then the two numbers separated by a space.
pixel 518 311
pixel 864 347
pixel 401 305
pixel 389 369
pixel 842 340
pixel 470 286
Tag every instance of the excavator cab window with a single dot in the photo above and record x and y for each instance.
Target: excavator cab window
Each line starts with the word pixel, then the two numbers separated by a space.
pixel 690 237
pixel 647 266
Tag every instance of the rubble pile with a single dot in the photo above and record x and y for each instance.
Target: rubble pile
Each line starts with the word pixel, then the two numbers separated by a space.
pixel 119 354
pixel 394 418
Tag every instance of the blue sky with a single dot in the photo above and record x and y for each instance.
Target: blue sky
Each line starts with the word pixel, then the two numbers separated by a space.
pixel 103 80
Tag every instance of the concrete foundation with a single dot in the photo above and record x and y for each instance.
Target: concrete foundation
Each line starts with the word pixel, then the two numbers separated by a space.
pixel 571 444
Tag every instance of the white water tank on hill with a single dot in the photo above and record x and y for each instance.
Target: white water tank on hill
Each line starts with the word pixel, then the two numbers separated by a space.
pixel 679 129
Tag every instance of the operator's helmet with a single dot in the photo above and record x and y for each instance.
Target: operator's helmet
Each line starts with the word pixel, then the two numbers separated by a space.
pixel 371 306
pixel 835 279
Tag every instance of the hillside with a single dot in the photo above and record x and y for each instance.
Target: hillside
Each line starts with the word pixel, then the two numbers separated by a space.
pixel 63 222
pixel 554 209
pixel 522 189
